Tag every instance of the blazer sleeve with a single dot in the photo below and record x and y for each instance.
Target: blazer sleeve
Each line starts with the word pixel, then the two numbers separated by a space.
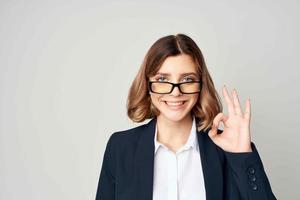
pixel 106 183
pixel 249 175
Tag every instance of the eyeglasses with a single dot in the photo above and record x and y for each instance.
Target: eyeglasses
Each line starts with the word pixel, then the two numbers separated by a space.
pixel 159 87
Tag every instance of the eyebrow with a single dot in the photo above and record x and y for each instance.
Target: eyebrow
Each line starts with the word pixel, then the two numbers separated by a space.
pixel 183 74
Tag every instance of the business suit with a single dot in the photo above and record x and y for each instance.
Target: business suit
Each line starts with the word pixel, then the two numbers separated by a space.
pixel 127 168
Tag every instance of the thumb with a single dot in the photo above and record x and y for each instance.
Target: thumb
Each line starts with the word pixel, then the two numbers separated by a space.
pixel 213 131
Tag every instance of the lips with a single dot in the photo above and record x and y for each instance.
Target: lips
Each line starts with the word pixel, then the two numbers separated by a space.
pixel 175 105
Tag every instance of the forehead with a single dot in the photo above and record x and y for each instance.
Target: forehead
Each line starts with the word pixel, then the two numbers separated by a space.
pixel 178 65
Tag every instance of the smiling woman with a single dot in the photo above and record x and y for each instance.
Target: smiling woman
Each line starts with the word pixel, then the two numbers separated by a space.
pixel 180 153
pixel 185 96
pixel 172 59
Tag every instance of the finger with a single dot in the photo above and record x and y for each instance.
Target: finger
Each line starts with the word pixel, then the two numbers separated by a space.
pixel 215 125
pixel 219 117
pixel 228 101
pixel 247 114
pixel 213 131
pixel 236 103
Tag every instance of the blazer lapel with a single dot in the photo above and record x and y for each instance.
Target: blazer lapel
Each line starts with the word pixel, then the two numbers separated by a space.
pixel 211 166
pixel 144 164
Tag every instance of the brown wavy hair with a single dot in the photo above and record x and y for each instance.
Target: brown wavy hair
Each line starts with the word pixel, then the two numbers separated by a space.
pixel 139 105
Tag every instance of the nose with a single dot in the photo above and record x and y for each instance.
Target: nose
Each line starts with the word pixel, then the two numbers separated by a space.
pixel 176 91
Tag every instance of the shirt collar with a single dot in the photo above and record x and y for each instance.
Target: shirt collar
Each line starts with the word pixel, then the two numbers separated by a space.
pixel 191 142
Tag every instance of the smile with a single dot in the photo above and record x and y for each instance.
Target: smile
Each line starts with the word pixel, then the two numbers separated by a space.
pixel 177 103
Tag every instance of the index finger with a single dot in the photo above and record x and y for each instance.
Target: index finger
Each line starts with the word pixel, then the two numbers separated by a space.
pixel 228 101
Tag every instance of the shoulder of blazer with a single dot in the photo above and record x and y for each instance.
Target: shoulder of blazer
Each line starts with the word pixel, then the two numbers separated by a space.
pixel 130 133
pixel 124 140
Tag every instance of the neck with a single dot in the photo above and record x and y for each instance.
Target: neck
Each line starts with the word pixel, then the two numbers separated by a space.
pixel 173 132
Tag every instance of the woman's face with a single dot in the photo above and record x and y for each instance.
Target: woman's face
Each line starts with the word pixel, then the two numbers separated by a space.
pixel 174 69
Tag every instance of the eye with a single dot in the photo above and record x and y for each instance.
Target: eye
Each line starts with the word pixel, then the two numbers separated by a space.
pixel 159 78
pixel 162 78
pixel 190 78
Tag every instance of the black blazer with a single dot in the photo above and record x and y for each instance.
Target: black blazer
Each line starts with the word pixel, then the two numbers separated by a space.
pixel 128 163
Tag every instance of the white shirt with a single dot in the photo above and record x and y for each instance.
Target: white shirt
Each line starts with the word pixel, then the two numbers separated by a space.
pixel 178 176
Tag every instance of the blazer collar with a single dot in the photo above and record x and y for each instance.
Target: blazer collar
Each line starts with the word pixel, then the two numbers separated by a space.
pixel 144 164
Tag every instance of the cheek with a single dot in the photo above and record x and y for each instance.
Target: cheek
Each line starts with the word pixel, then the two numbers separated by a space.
pixel 194 98
pixel 156 98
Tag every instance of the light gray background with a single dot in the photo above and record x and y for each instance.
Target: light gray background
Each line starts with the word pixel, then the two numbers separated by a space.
pixel 66 67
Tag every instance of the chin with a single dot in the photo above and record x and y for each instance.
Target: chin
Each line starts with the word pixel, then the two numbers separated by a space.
pixel 174 116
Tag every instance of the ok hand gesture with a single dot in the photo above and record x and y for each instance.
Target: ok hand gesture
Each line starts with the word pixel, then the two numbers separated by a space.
pixel 236 134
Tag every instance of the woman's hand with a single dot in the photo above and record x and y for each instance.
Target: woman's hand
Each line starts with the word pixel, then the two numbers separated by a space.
pixel 236 134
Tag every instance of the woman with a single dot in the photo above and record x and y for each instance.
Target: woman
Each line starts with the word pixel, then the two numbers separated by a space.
pixel 180 154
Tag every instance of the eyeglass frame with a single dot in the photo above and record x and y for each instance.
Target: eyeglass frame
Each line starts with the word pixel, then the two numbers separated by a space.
pixel 174 85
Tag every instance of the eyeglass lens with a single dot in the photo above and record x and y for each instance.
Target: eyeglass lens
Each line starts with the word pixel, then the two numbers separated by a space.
pixel 167 87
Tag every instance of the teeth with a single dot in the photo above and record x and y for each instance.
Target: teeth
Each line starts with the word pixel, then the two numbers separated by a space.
pixel 174 103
